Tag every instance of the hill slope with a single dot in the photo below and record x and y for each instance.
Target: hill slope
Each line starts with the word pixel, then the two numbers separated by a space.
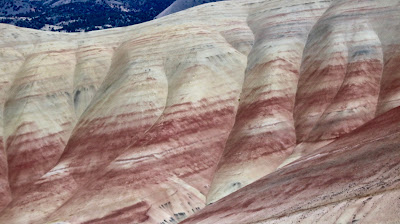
pixel 180 5
pixel 274 111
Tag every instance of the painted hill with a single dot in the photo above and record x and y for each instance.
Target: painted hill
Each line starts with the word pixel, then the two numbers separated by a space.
pixel 273 111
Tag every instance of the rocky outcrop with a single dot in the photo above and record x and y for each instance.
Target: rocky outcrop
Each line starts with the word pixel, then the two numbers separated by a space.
pixel 149 123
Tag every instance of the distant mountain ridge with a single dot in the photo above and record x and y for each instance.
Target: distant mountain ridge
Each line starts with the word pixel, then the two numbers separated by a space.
pixel 8 7
pixel 86 15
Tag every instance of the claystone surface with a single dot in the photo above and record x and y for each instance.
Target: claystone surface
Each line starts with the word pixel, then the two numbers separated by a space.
pixel 271 111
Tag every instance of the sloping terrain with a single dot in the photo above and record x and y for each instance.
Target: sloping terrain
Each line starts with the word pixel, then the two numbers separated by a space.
pixel 281 111
pixel 355 179
pixel 180 5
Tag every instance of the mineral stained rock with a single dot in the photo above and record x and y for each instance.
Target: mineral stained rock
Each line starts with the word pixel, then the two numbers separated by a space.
pixel 280 111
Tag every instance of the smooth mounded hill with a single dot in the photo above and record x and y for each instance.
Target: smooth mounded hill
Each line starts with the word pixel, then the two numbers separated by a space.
pixel 280 111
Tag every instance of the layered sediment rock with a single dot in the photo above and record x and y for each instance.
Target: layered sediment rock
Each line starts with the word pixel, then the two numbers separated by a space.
pixel 355 179
pixel 264 134
pixel 149 123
